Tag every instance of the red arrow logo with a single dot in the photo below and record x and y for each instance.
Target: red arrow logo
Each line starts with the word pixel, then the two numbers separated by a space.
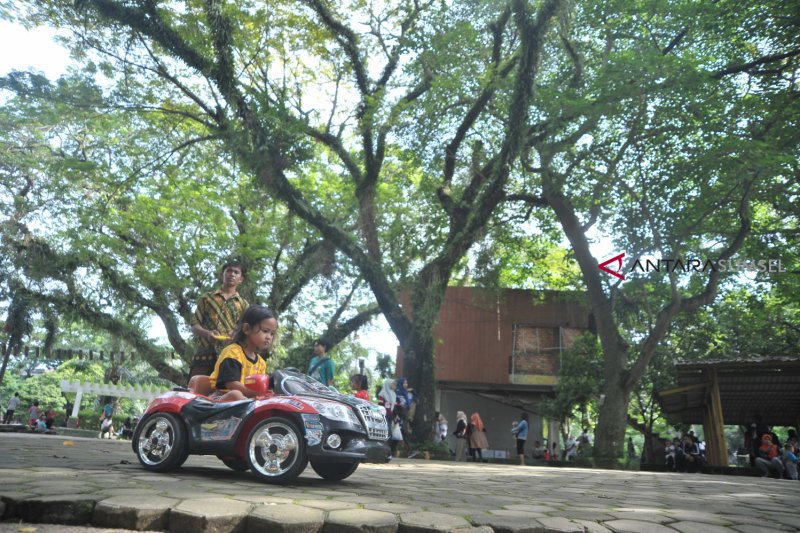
pixel 618 260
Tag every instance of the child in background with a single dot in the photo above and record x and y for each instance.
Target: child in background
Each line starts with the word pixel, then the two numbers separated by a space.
pixel 107 428
pixel 358 382
pixel 789 461
pixel 33 414
pixel 670 448
pixel 255 332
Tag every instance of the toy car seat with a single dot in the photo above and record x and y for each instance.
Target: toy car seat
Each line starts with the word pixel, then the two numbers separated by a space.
pixel 200 385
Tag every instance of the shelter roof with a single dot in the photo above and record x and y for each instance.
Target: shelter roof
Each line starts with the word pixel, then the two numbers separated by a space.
pixel 769 386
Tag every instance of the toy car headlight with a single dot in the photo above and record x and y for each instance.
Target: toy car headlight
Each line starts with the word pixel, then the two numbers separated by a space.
pixel 334 411
pixel 258 383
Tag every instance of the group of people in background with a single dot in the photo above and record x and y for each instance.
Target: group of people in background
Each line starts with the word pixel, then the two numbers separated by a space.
pixel 766 452
pixel 470 437
pixel 40 421
pixel 685 454
pixel 400 402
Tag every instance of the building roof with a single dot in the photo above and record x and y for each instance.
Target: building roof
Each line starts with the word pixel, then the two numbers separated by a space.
pixel 768 386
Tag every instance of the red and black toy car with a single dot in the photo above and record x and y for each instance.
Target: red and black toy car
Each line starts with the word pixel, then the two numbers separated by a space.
pixel 275 435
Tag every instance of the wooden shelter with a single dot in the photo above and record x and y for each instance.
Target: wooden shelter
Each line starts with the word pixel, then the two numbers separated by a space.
pixel 733 392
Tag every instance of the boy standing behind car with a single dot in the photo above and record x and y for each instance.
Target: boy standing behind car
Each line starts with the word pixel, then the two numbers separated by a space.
pixel 216 316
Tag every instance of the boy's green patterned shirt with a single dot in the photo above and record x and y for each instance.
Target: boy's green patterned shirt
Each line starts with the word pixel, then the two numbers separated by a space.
pixel 214 312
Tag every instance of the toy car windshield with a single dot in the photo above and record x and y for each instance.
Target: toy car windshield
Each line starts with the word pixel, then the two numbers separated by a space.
pixel 300 384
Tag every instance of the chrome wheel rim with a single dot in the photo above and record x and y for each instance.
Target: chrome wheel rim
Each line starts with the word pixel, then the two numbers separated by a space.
pixel 274 449
pixel 156 441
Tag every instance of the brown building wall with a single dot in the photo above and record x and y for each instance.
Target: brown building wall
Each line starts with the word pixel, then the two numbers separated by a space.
pixel 475 334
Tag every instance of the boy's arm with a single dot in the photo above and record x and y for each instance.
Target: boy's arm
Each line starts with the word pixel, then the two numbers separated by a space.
pixel 197 320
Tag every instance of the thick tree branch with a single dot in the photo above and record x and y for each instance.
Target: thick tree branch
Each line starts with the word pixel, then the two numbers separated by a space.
pixel 347 40
pixel 681 305
pixel 746 67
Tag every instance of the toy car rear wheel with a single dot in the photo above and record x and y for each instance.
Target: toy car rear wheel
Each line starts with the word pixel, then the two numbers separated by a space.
pixel 334 471
pixel 234 463
pixel 276 450
pixel 160 442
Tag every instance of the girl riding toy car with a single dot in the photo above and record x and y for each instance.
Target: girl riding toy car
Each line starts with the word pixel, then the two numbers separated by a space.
pixel 294 422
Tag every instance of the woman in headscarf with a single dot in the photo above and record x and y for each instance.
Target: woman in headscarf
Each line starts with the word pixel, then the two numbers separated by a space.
pixel 404 397
pixel 388 398
pixel 476 432
pixel 461 436
pixel 440 426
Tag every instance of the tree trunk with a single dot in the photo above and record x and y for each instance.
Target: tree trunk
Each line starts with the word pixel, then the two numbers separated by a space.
pixel 418 369
pixel 6 356
pixel 613 411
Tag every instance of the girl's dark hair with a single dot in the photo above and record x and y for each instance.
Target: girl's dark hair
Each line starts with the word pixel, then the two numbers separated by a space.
pixel 252 316
pixel 361 379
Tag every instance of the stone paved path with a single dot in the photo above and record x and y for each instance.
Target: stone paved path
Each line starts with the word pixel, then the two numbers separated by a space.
pixel 60 480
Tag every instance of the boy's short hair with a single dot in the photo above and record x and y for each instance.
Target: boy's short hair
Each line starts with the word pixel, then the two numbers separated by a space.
pixel 233 263
pixel 323 342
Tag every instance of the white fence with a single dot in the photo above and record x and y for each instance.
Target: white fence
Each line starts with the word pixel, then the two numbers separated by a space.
pixel 139 392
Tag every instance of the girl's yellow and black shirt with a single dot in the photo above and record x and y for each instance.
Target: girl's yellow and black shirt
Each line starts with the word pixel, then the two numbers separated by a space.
pixel 234 365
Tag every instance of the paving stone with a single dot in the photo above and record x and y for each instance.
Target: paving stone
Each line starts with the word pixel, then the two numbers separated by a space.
pixel 643 516
pixel 568 498
pixel 348 520
pixel 754 520
pixel 785 519
pixel 512 513
pixel 50 489
pixel 455 511
pixel 694 527
pixel 133 493
pixel 593 527
pixel 327 505
pixel 590 516
pixel 140 513
pixel 190 494
pixel 158 480
pixel 751 528
pixel 533 508
pixel 636 526
pixel 61 509
pixel 393 507
pixel 326 494
pixel 265 499
pixel 287 518
pixel 428 521
pixel 361 500
pixel 505 524
pixel 211 515
pixel 559 525
pixel 704 517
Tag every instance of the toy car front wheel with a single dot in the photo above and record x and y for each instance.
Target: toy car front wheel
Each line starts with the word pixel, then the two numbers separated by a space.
pixel 276 450
pixel 160 442
pixel 334 471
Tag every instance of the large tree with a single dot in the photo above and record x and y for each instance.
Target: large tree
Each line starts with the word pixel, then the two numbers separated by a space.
pixel 142 224
pixel 656 122
pixel 301 91
pixel 669 129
